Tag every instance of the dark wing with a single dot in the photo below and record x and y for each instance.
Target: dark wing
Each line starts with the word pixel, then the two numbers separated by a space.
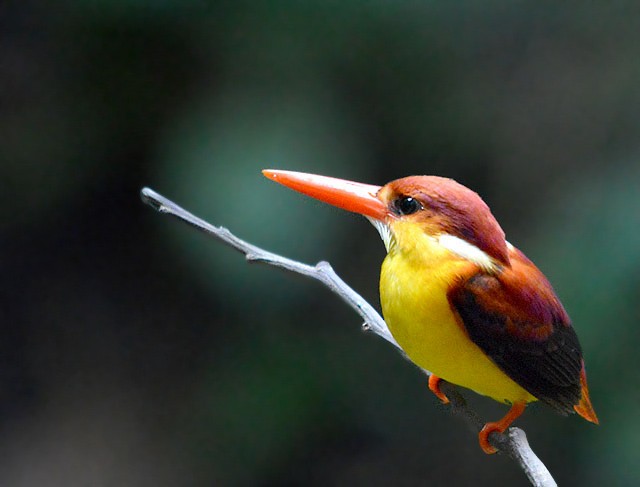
pixel 517 320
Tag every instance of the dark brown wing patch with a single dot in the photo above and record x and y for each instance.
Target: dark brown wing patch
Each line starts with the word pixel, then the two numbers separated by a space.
pixel 522 327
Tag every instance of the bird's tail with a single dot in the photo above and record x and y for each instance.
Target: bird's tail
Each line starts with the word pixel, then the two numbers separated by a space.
pixel 584 407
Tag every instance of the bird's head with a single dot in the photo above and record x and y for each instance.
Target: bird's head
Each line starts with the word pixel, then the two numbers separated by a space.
pixel 431 206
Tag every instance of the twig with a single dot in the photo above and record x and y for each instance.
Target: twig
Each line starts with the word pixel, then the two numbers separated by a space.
pixel 514 443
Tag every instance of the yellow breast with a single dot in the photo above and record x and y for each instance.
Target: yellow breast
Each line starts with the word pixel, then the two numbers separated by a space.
pixel 415 278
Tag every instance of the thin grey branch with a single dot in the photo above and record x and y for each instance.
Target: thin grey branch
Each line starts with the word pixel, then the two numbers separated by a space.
pixel 514 444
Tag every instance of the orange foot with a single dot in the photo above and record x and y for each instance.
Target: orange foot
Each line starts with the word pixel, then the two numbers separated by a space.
pixel 500 426
pixel 434 386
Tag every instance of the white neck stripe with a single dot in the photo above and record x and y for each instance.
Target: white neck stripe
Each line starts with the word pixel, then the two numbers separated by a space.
pixel 468 251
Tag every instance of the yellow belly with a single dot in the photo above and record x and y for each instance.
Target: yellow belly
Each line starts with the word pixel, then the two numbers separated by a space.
pixel 413 294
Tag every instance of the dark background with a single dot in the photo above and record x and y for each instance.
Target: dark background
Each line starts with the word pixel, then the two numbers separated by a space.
pixel 135 351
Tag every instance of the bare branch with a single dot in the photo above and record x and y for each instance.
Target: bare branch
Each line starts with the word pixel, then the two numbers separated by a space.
pixel 514 444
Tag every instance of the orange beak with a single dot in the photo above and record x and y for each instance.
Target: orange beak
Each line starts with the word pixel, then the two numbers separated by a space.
pixel 348 195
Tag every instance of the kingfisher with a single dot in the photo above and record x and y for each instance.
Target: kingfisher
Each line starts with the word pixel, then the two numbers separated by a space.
pixel 459 299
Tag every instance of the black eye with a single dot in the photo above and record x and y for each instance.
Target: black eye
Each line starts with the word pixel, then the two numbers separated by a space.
pixel 406 205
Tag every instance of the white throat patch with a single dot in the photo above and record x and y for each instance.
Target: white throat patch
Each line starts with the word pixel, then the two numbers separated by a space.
pixel 384 231
pixel 468 251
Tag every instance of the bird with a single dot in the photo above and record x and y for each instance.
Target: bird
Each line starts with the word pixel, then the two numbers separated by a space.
pixel 459 299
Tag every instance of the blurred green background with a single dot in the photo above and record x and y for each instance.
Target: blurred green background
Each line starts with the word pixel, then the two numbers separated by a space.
pixel 135 351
